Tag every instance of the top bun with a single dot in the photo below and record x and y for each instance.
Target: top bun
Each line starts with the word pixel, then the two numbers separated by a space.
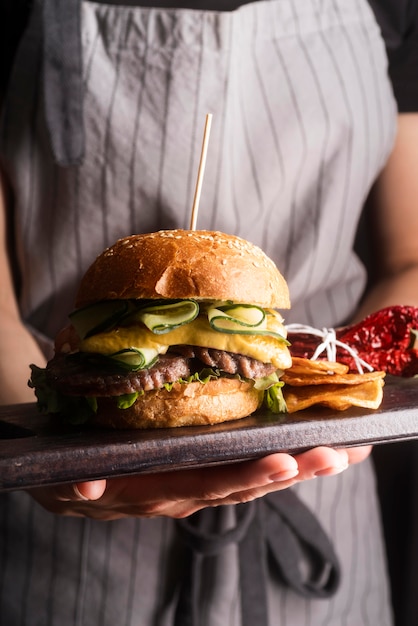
pixel 198 264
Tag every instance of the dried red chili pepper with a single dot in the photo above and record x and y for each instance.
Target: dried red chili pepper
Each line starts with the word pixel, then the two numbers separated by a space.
pixel 386 340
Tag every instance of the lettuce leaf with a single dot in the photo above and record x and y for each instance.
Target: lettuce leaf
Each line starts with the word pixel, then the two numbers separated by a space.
pixel 273 394
pixel 127 400
pixel 73 409
pixel 274 400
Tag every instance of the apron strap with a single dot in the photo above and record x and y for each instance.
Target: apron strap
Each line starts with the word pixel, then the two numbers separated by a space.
pixel 301 550
pixel 62 79
pixel 201 543
pixel 278 525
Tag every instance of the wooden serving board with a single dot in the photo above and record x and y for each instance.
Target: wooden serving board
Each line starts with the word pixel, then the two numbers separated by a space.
pixel 37 450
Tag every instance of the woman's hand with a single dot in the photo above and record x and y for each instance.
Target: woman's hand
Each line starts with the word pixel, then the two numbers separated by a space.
pixel 180 493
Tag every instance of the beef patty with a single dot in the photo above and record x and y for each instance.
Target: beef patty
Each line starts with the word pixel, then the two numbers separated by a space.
pixel 77 376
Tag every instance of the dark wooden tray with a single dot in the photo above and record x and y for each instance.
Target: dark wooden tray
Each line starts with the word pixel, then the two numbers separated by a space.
pixel 36 450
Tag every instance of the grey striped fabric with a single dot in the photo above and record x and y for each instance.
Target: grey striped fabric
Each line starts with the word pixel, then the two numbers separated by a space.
pixel 304 120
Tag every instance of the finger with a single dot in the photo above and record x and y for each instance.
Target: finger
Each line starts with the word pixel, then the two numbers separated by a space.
pixel 80 492
pixel 203 484
pixel 359 453
pixel 217 483
pixel 321 461
pixel 92 490
pixel 233 483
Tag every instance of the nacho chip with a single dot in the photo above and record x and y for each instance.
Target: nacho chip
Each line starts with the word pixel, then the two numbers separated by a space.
pixel 306 366
pixel 367 395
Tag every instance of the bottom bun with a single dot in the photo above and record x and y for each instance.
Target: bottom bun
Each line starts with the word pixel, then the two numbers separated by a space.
pixel 190 404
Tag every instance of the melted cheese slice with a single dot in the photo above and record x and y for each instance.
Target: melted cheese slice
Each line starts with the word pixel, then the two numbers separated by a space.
pixel 197 333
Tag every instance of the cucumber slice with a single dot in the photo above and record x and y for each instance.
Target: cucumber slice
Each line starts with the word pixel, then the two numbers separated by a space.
pixel 241 319
pixel 135 358
pixel 233 317
pixel 161 318
pixel 99 317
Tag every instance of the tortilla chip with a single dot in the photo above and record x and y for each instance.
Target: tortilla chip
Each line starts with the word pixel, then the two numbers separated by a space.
pixel 367 395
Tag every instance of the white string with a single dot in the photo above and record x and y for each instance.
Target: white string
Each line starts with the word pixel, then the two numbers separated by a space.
pixel 329 344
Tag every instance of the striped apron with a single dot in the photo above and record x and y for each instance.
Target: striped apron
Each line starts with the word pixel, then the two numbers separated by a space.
pixel 101 137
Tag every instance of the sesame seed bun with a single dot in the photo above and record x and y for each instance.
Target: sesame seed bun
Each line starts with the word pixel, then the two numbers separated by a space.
pixel 205 265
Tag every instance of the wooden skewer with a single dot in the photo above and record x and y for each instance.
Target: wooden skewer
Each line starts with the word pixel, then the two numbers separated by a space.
pixel 198 189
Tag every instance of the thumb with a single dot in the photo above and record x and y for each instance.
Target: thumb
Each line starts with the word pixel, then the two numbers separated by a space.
pixel 75 492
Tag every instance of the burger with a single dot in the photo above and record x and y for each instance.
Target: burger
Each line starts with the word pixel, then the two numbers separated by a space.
pixel 170 328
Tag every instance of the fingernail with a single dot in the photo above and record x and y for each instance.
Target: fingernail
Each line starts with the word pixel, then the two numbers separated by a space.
pixel 285 475
pixel 330 471
pixel 78 494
